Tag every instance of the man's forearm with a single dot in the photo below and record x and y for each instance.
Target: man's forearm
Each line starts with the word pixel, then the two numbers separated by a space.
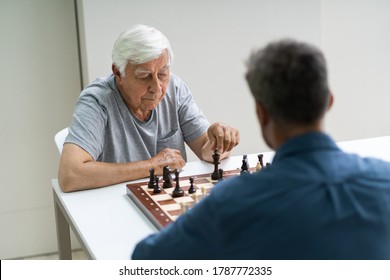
pixel 95 174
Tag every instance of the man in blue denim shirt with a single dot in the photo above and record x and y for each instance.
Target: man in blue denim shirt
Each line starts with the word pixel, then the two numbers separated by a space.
pixel 314 202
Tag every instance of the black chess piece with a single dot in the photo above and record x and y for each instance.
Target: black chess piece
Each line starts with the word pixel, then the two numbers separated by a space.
pixel 220 174
pixel 192 187
pixel 157 188
pixel 245 165
pixel 215 175
pixel 152 179
pixel 260 157
pixel 167 178
pixel 177 192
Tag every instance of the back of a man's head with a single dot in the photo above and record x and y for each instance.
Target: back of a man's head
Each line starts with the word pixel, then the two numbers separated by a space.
pixel 289 79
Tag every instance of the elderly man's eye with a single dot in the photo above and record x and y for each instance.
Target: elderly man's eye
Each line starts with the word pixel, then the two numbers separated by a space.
pixel 162 75
pixel 143 77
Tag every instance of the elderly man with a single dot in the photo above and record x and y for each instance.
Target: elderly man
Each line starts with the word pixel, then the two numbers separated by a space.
pixel 136 119
pixel 314 202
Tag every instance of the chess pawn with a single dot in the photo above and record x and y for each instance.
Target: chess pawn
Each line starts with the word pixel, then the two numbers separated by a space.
pixel 258 167
pixel 184 207
pixel 157 188
pixel 195 197
pixel 220 174
pixel 192 187
pixel 204 191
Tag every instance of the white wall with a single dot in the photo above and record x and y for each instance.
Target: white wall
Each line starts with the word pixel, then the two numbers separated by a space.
pixel 39 77
pixel 356 40
pixel 212 39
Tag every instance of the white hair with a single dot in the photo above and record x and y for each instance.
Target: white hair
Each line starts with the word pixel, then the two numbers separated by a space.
pixel 138 45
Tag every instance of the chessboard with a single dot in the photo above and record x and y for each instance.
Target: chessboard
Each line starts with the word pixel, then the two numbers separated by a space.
pixel 164 203
pixel 161 208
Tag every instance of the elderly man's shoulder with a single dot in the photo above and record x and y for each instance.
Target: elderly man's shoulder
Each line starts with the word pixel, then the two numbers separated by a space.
pixel 101 88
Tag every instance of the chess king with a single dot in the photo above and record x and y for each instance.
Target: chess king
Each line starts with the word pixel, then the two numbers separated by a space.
pixel 137 118
pixel 314 202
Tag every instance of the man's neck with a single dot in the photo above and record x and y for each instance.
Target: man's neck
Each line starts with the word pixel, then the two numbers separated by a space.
pixel 282 134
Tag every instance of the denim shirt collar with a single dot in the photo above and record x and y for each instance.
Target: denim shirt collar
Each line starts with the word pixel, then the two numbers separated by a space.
pixel 304 143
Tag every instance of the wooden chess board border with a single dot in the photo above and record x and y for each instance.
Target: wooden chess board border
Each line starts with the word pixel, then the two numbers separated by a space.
pixel 155 213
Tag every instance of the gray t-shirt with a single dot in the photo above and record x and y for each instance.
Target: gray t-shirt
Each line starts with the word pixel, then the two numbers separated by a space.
pixel 104 127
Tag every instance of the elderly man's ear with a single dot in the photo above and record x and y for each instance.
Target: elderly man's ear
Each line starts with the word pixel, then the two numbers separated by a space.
pixel 115 71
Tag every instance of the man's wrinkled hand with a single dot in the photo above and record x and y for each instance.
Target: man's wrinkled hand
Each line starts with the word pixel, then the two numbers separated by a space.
pixel 223 137
pixel 168 157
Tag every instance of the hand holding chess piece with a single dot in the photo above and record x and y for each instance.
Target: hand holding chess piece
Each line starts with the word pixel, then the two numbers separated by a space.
pixel 223 137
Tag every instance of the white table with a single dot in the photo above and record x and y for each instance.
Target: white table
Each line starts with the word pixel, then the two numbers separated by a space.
pixel 109 225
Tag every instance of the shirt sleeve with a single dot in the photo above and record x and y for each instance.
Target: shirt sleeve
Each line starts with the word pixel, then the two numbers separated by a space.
pixel 88 123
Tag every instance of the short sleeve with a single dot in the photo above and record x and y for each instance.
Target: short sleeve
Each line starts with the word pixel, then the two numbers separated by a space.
pixel 88 125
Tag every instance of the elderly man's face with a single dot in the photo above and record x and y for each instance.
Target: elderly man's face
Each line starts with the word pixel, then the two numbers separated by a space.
pixel 144 85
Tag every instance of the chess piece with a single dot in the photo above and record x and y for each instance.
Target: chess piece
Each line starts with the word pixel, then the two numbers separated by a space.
pixel 184 207
pixel 220 174
pixel 204 191
pixel 245 165
pixel 195 197
pixel 215 175
pixel 152 179
pixel 157 188
pixel 192 187
pixel 259 165
pixel 177 192
pixel 167 178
